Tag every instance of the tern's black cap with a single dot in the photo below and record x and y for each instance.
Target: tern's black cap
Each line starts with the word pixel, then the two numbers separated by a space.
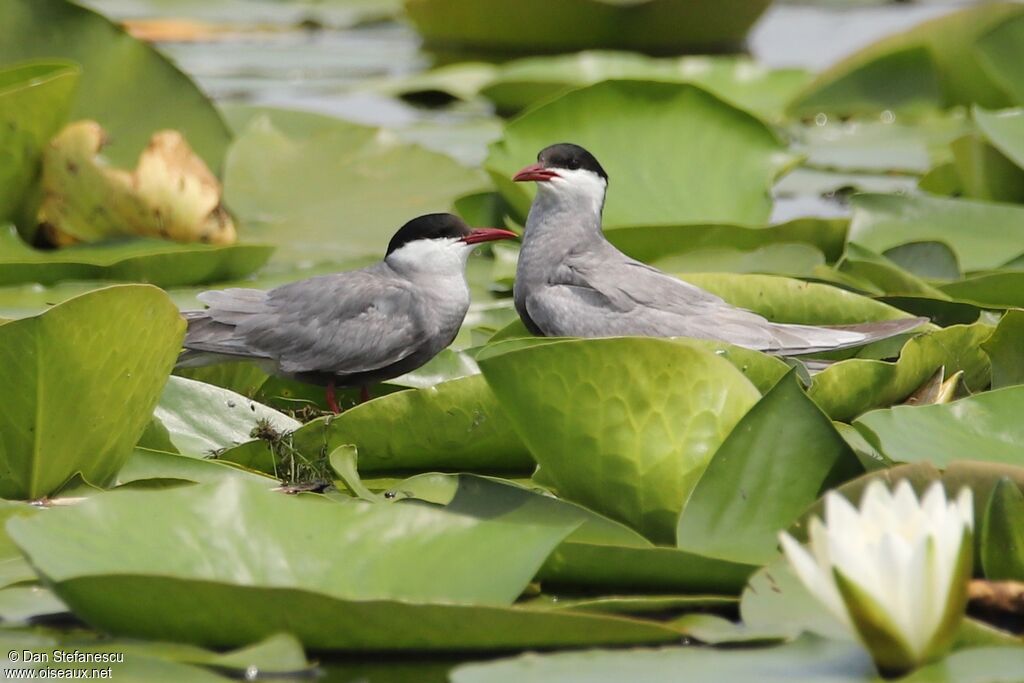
pixel 428 227
pixel 569 156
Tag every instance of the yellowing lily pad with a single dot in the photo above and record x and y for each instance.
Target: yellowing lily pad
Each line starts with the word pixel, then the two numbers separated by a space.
pixel 171 194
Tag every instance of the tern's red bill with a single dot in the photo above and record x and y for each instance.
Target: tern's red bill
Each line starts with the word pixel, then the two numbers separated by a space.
pixel 535 172
pixel 488 235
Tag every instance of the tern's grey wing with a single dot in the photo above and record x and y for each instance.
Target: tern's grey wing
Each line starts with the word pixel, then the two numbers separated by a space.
pixel 593 294
pixel 342 324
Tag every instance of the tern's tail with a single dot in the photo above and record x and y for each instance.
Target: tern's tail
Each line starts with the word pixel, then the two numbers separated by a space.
pixel 795 340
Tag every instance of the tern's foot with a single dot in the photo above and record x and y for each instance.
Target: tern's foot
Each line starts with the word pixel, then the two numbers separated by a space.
pixel 332 400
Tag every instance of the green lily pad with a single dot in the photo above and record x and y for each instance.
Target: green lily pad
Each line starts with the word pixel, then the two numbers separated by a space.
pixel 793 259
pixel 741 82
pixel 152 467
pixel 535 26
pixel 35 99
pixel 881 222
pixel 976 665
pixel 163 263
pixel 932 64
pixel 1005 352
pixel 1000 288
pixel 118 72
pixel 1004 129
pixel 985 172
pixel 649 243
pixel 980 427
pixel 600 555
pixel 324 189
pixel 1002 537
pixel 456 424
pixel 804 661
pixel 63 371
pixel 999 53
pixel 443 581
pixel 726 158
pixel 884 273
pixel 787 300
pixel 773 464
pixel 201 419
pixel 19 604
pixel 856 385
pixel 623 426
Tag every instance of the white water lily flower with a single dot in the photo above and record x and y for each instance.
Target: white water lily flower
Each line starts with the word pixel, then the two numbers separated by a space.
pixel 895 572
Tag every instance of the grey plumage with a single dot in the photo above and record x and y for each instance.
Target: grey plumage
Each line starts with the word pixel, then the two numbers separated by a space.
pixel 570 281
pixel 350 328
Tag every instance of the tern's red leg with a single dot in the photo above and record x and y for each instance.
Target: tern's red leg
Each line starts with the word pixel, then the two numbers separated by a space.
pixel 364 393
pixel 332 400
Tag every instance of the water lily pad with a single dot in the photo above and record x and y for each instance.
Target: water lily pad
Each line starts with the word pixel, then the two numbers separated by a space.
pixel 772 465
pixel 999 52
pixel 999 288
pixel 881 222
pixel 516 85
pixel 650 243
pixel 163 263
pixel 201 419
pixel 325 189
pixel 725 158
pixel 532 26
pixel 170 193
pixel 61 373
pixel 457 424
pixel 1005 351
pixel 986 173
pixel 1002 537
pixel 622 426
pixel 313 567
pixel 979 427
pixel 600 555
pixel 903 69
pixel 787 300
pixel 1004 129
pixel 35 99
pixel 153 467
pixel 803 661
pixel 854 386
pixel 118 72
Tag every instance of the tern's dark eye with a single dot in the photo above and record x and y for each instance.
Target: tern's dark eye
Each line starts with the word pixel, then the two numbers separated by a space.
pixel 574 164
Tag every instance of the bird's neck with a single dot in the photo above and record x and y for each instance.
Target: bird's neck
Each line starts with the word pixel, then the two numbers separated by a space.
pixel 560 222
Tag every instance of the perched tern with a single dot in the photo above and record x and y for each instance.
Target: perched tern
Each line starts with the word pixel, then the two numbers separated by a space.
pixel 353 328
pixel 571 282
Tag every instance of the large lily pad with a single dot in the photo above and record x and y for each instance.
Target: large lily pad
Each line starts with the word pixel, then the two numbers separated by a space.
pixel 325 189
pixel 267 563
pixel 787 300
pixel 35 99
pixel 623 426
pixel 600 555
pixel 118 72
pixel 981 427
pixel 999 53
pixel 531 26
pixel 1005 130
pixel 805 661
pixel 653 139
pixel 456 424
pixel 63 374
pixel 905 68
pixel 1005 351
pixel 651 243
pixel 881 222
pixel 1002 537
pixel 163 263
pixel 202 419
pixel 854 386
pixel 773 464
